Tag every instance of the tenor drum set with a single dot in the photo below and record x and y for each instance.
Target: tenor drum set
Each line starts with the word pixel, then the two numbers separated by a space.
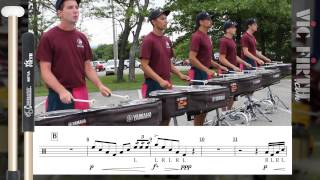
pixel 213 94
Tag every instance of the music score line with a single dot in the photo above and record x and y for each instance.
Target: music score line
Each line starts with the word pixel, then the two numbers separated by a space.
pixel 143 148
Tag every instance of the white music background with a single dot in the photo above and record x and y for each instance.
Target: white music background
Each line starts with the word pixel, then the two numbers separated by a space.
pixel 185 150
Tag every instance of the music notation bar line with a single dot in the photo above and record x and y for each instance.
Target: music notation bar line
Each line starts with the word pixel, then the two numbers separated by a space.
pixel 171 151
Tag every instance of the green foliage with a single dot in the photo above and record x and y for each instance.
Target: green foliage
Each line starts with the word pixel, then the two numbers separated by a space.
pixel 273 17
pixel 104 52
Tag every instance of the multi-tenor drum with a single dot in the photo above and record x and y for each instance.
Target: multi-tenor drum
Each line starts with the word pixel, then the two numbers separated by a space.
pixel 202 99
pixel 174 102
pixel 145 112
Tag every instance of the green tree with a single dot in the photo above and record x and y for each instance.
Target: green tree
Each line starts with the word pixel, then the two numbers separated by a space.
pixel 273 18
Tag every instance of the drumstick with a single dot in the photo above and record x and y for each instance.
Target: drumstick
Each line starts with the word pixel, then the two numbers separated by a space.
pixel 13 12
pixel 200 81
pixel 91 102
pixel 177 86
pixel 119 96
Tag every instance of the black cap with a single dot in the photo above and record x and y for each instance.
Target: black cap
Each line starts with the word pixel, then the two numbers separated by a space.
pixel 228 24
pixel 202 16
pixel 250 21
pixel 155 13
pixel 60 2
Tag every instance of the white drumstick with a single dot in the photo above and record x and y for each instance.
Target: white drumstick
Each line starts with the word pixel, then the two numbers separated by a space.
pixel 200 81
pixel 91 102
pixel 177 86
pixel 120 96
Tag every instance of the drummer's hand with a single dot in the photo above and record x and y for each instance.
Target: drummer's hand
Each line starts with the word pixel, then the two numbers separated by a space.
pixel 104 90
pixel 224 68
pixel 268 60
pixel 184 77
pixel 165 84
pixel 248 65
pixel 236 69
pixel 210 73
pixel 65 97
pixel 260 62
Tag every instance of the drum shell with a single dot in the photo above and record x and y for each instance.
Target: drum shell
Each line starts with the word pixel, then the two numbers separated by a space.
pixel 65 120
pixel 285 69
pixel 205 101
pixel 248 85
pixel 269 77
pixel 148 114
pixel 226 83
pixel 171 104
pixel 111 116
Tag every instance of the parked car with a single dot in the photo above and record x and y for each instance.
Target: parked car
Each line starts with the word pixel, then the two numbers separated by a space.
pixel 109 71
pixel 185 62
pixel 98 65
pixel 110 64
pixel 137 64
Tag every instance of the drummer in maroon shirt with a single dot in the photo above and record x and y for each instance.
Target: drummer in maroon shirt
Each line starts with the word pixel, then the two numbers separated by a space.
pixel 249 43
pixel 228 52
pixel 64 55
pixel 156 53
pixel 200 55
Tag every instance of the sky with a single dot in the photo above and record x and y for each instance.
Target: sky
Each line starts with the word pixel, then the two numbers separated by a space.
pixel 100 31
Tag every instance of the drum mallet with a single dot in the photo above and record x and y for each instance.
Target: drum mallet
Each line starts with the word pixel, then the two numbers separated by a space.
pixel 13 13
pixel 91 102
pixel 200 81
pixel 126 97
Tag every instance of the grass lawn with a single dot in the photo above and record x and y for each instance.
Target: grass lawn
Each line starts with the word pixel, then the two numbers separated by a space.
pixel 112 84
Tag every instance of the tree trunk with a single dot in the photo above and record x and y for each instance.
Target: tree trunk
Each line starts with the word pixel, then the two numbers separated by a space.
pixel 135 42
pixel 124 41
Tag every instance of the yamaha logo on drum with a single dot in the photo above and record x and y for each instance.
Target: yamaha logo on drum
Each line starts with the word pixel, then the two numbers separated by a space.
pixel 137 117
pixel 257 81
pixel 78 123
pixel 220 97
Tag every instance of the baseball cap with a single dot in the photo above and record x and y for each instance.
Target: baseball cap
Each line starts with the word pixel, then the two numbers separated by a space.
pixel 60 2
pixel 155 13
pixel 250 21
pixel 228 24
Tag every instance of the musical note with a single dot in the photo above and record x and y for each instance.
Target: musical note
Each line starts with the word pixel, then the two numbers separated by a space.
pixel 165 153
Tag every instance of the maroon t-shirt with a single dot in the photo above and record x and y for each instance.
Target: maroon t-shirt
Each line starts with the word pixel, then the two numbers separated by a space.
pixel 202 44
pixel 67 51
pixel 228 47
pixel 158 50
pixel 249 41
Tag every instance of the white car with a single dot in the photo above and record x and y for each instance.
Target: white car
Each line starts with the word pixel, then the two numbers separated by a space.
pixel 137 64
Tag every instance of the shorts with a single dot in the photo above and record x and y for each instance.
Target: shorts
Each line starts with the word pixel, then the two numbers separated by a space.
pixel 197 74
pixel 53 102
pixel 148 86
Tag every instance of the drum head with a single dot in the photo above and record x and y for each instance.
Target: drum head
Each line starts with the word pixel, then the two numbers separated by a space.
pixel 165 92
pixel 56 114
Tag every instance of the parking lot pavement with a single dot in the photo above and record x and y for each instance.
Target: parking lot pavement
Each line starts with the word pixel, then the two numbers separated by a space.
pixel 282 116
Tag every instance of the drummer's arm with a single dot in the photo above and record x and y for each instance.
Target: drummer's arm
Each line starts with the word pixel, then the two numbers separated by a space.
pixel 218 66
pixel 241 61
pixel 149 71
pixel 52 82
pixel 92 76
pixel 196 63
pixel 175 70
pixel 249 55
pixel 49 78
pixel 223 60
pixel 261 56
